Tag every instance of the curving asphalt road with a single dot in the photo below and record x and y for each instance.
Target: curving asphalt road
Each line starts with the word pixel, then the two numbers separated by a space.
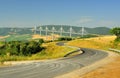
pixel 50 69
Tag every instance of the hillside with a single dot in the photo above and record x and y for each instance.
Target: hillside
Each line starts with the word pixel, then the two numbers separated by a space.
pixel 12 31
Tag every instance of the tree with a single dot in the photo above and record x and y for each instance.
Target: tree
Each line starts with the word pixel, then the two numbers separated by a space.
pixel 64 39
pixel 18 48
pixel 41 41
pixel 116 31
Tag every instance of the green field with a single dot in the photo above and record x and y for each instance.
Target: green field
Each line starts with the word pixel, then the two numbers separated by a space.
pixel 18 37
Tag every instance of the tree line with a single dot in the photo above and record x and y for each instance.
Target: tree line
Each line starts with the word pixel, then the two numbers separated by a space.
pixel 20 48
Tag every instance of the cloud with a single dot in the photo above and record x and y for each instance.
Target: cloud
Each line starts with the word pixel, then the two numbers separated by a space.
pixel 84 20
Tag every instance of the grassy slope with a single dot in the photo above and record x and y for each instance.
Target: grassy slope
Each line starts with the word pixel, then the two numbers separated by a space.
pixel 1 43
pixel 104 42
pixel 51 51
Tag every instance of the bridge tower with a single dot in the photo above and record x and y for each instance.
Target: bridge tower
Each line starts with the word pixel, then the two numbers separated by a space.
pixel 53 31
pixel 83 31
pixel 35 29
pixel 46 30
pixel 61 31
pixel 71 31
pixel 40 29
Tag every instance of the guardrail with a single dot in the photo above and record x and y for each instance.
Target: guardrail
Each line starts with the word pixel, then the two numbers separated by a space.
pixel 77 50
pixel 115 50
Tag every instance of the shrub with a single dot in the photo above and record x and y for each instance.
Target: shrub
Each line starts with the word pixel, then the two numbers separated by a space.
pixel 21 48
pixel 89 36
pixel 64 39
pixel 116 31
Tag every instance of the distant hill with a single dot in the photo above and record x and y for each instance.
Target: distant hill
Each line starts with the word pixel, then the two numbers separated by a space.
pixel 21 31
pixel 96 30
pixel 99 30
pixel 11 31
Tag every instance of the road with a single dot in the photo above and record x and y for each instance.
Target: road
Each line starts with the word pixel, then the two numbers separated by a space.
pixel 53 68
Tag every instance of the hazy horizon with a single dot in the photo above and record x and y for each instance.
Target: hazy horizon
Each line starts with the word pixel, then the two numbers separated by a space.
pixel 50 25
pixel 87 13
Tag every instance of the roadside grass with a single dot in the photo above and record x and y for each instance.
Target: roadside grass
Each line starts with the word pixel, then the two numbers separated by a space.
pixel 104 42
pixel 51 51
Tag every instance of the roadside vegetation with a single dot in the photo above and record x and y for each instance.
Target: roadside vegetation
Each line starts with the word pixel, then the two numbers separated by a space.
pixel 31 50
pixel 65 39
pixel 89 36
pixel 53 51
pixel 104 42
pixel 116 32
pixel 14 50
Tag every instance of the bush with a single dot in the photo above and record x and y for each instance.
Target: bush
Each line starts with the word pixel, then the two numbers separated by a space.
pixel 116 31
pixel 89 36
pixel 41 41
pixel 21 48
pixel 64 39
pixel 117 40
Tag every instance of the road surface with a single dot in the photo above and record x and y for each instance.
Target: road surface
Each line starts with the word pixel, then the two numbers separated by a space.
pixel 53 68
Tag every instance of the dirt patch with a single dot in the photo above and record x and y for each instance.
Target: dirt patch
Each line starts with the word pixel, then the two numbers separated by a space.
pixel 2 37
pixel 111 70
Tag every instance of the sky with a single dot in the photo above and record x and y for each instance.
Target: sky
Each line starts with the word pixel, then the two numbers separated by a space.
pixel 88 13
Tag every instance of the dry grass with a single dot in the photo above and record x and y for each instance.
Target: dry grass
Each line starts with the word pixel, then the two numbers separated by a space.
pixel 36 36
pixel 111 70
pixel 104 42
pixel 53 51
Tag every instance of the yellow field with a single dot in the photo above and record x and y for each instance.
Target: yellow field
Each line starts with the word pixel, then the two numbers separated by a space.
pixel 2 37
pixel 37 36
pixel 103 42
